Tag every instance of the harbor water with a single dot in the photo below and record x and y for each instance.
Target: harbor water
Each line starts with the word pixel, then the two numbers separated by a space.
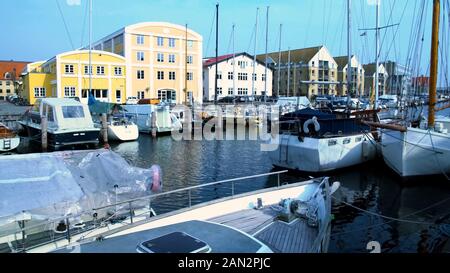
pixel 366 209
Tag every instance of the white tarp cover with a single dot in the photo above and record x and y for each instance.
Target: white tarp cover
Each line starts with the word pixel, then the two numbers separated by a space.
pixel 53 185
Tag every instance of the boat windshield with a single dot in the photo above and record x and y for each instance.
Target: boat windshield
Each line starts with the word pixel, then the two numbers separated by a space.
pixel 73 111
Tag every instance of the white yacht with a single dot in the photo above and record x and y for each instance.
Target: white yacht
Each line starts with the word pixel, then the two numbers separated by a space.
pixel 122 129
pixel 69 122
pixel 288 218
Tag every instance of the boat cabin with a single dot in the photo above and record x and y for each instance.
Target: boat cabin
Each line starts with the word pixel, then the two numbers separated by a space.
pixel 62 114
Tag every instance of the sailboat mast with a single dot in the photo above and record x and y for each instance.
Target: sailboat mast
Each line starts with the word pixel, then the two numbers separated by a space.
pixel 252 92
pixel 349 53
pixel 90 70
pixel 186 67
pixel 234 61
pixel 217 52
pixel 289 72
pixel 434 62
pixel 279 61
pixel 267 42
pixel 377 38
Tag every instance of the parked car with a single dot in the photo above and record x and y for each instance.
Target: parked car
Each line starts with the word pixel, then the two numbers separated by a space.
pixel 132 100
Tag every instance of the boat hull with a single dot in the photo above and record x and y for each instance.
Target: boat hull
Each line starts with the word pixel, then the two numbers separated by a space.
pixel 317 155
pixel 416 152
pixel 9 144
pixel 58 140
pixel 123 132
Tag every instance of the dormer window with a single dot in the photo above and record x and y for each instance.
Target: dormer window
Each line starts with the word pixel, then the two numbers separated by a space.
pixel 7 75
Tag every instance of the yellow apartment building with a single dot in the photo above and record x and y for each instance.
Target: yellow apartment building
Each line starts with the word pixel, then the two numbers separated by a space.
pixel 157 55
pixel 68 75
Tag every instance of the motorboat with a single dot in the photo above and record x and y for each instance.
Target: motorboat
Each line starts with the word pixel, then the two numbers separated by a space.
pixel 9 140
pixel 122 129
pixel 69 122
pixel 289 218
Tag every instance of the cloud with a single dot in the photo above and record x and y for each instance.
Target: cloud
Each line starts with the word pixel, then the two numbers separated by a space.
pixel 73 2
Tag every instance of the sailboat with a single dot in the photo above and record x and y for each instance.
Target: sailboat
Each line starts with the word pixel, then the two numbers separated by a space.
pixel 120 128
pixel 314 141
pixel 425 150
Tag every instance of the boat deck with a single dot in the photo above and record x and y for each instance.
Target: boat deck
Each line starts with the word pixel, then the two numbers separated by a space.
pixel 294 237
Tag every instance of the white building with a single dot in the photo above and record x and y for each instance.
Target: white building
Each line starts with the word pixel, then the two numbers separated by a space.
pixel 235 77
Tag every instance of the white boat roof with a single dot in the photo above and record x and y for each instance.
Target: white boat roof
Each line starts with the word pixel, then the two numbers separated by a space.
pixel 61 102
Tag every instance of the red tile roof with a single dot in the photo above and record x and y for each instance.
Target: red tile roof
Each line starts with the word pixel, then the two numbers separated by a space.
pixel 9 66
pixel 219 59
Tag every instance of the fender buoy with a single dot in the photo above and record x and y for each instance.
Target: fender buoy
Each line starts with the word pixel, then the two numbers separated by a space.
pixel 309 122
pixel 156 179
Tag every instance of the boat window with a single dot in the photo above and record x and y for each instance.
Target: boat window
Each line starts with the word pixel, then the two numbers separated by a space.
pixel 50 115
pixel 347 141
pixel 73 111
pixel 36 107
pixel 332 142
pixel 358 139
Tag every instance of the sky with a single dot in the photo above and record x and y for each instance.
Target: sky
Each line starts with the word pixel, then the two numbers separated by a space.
pixel 37 30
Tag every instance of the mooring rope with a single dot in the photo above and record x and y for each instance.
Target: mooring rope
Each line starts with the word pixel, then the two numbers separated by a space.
pixel 391 219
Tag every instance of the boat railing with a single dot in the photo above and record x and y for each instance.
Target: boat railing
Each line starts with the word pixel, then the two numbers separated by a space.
pixel 110 217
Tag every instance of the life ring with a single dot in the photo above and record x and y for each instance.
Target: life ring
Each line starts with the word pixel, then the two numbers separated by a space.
pixel 309 122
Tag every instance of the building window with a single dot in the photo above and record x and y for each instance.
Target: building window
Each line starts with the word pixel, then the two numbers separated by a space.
pixel 171 42
pixel 190 76
pixel 160 75
pixel 242 91
pixel 140 95
pixel 68 69
pixel 263 78
pixel 219 75
pixel 118 71
pixel 39 92
pixel 87 70
pixel 230 75
pixel 242 76
pixel 140 40
pixel 7 75
pixel 8 91
pixel 160 41
pixel 69 92
pixel 219 90
pixel 242 64
pixel 160 58
pixel 189 59
pixel 8 83
pixel 140 74
pixel 255 77
pixel 230 91
pixel 100 70
pixel 140 56
pixel 172 75
pixel 167 95
pixel 190 44
pixel 171 58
